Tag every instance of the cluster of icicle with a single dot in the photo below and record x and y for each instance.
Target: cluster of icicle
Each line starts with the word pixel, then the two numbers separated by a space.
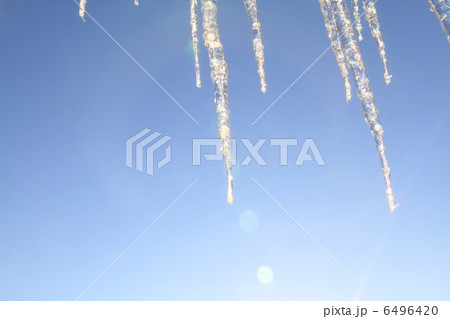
pixel 335 33
pixel 442 10
pixel 346 48
pixel 348 55
pixel 219 70
pixel 218 65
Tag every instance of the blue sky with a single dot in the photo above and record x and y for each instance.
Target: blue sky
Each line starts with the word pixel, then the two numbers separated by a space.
pixel 69 206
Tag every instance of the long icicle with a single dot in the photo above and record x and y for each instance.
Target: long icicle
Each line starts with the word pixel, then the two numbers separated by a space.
pixel 194 26
pixel 442 10
pixel 352 50
pixel 219 75
pixel 357 18
pixel 82 9
pixel 336 44
pixel 372 19
pixel 252 12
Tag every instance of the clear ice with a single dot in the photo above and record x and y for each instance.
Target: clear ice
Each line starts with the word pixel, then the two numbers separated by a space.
pixel 336 44
pixel 82 8
pixel 442 10
pixel 338 9
pixel 357 18
pixel 252 12
pixel 374 23
pixel 194 28
pixel 219 75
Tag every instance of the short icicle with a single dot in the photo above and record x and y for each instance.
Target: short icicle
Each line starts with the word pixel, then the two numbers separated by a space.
pixel 372 19
pixel 336 44
pixel 194 28
pixel 352 50
pixel 252 12
pixel 82 9
pixel 219 75
pixel 442 10
pixel 357 18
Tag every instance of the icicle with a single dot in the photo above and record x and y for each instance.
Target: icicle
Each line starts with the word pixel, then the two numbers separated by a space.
pixel 194 25
pixel 219 75
pixel 372 18
pixel 136 2
pixel 442 9
pixel 365 93
pixel 252 12
pixel 357 17
pixel 336 44
pixel 82 8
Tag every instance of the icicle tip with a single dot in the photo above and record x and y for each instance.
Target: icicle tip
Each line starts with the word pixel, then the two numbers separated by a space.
pixel 390 197
pixel 387 78
pixel 394 207
pixel 263 86
pixel 82 9
pixel 230 197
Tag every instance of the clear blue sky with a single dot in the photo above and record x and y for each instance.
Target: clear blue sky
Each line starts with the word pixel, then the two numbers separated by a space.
pixel 69 206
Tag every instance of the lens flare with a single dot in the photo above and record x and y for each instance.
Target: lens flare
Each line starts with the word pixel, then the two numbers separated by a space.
pixel 265 275
pixel 248 220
